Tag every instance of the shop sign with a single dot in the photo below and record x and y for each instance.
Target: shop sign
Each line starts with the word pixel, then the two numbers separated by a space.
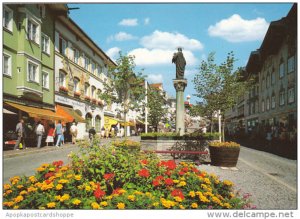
pixel 64 100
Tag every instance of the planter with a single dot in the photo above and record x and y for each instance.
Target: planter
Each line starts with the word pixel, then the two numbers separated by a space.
pixel 224 156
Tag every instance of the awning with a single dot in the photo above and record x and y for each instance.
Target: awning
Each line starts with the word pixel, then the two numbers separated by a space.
pixel 109 121
pixel 37 112
pixel 5 111
pixel 69 114
pixel 127 124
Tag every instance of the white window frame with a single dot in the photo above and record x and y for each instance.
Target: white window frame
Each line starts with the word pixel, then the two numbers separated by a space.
pixel 93 91
pixel 10 22
pixel 86 62
pixel 63 46
pixel 63 82
pixel 86 89
pixel 9 69
pixel 37 73
pixel 99 70
pixel 76 56
pixel 47 81
pixel 281 98
pixel 273 78
pixel 45 41
pixel 281 70
pixel 291 64
pixel 263 106
pixel 76 85
pixel 93 67
pixel 273 102
pixel 36 38
pixel 291 95
pixel 268 104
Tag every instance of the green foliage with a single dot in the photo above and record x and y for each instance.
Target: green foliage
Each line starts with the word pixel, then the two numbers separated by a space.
pixel 218 86
pixel 156 107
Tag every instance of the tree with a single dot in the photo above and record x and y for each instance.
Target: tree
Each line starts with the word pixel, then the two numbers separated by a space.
pixel 156 104
pixel 219 86
pixel 125 87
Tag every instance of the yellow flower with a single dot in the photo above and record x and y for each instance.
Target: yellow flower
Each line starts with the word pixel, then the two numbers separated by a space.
pixel 182 183
pixel 148 194
pixel 58 175
pixel 19 199
pixel 131 198
pixel 192 194
pixel 15 178
pixel 45 165
pixel 194 205
pixel 77 177
pixel 57 197
pixel 76 202
pixel 88 188
pixel 178 199
pixel 167 203
pixel 95 205
pixel 203 186
pixel 8 204
pixel 6 186
pixel 202 198
pixel 138 193
pixel 31 189
pixel 40 169
pixel 155 204
pixel 231 195
pixel 51 205
pixel 181 207
pixel 65 197
pixel 52 169
pixel 216 200
pixel 121 205
pixel 217 181
pixel 63 181
pixel 20 186
pixel 227 183
pixel 104 203
pixel 16 207
pixel 227 205
pixel 42 208
pixel 176 181
pixel 8 192
pixel 207 181
pixel 109 197
pixel 24 192
pixel 59 187
pixel 64 168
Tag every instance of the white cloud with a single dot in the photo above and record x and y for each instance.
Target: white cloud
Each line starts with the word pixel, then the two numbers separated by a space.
pixel 146 21
pixel 155 78
pixel 121 36
pixel 237 29
pixel 170 41
pixel 144 56
pixel 113 52
pixel 129 22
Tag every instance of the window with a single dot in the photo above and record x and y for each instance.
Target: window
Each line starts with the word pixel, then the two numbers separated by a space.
pixel 8 18
pixel 33 31
pixel 268 104
pixel 62 79
pixel 281 70
pixel 77 56
pixel 291 95
pixel 268 80
pixel 291 64
pixel 62 45
pixel 263 84
pixel 86 89
pixel 93 92
pixel 42 10
pixel 93 67
pixel 273 102
pixel 281 98
pixel 76 85
pixel 88 120
pixel 45 44
pixel 33 74
pixel 6 64
pixel 99 70
pixel 263 106
pixel 273 78
pixel 86 62
pixel 45 80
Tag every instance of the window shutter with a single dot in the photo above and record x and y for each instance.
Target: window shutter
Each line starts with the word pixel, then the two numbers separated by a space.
pixel 56 41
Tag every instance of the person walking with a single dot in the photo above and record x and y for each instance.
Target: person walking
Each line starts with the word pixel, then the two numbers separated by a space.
pixel 92 133
pixel 58 133
pixel 20 130
pixel 40 130
pixel 73 131
pixel 50 135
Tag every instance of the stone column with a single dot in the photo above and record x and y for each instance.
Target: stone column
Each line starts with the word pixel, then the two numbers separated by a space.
pixel 180 85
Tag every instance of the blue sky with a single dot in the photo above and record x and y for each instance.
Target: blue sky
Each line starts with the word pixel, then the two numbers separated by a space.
pixel 152 32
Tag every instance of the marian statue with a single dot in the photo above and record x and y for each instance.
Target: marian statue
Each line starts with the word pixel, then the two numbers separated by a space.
pixel 180 63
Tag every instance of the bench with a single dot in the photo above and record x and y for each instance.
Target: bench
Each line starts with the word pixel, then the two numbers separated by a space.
pixel 178 152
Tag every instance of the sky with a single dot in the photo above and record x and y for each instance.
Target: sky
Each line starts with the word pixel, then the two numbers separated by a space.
pixel 152 33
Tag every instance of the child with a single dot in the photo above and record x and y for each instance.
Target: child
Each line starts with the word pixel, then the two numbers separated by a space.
pixel 50 135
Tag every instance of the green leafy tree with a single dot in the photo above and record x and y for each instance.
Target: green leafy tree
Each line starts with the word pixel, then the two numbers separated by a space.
pixel 219 86
pixel 156 107
pixel 125 86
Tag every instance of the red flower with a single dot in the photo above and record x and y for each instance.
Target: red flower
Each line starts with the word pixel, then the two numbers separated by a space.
pixel 155 182
pixel 202 175
pixel 48 175
pixel 108 176
pixel 98 193
pixel 185 169
pixel 144 173
pixel 58 163
pixel 159 178
pixel 48 181
pixel 168 172
pixel 182 173
pixel 195 170
pixel 144 162
pixel 169 181
pixel 170 164
pixel 177 192
pixel 116 191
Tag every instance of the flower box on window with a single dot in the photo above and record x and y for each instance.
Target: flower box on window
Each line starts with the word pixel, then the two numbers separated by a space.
pixel 100 102
pixel 94 100
pixel 87 98
pixel 63 89
pixel 77 94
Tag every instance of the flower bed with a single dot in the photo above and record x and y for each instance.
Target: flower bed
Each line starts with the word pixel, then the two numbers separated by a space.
pixel 128 144
pixel 175 136
pixel 105 178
